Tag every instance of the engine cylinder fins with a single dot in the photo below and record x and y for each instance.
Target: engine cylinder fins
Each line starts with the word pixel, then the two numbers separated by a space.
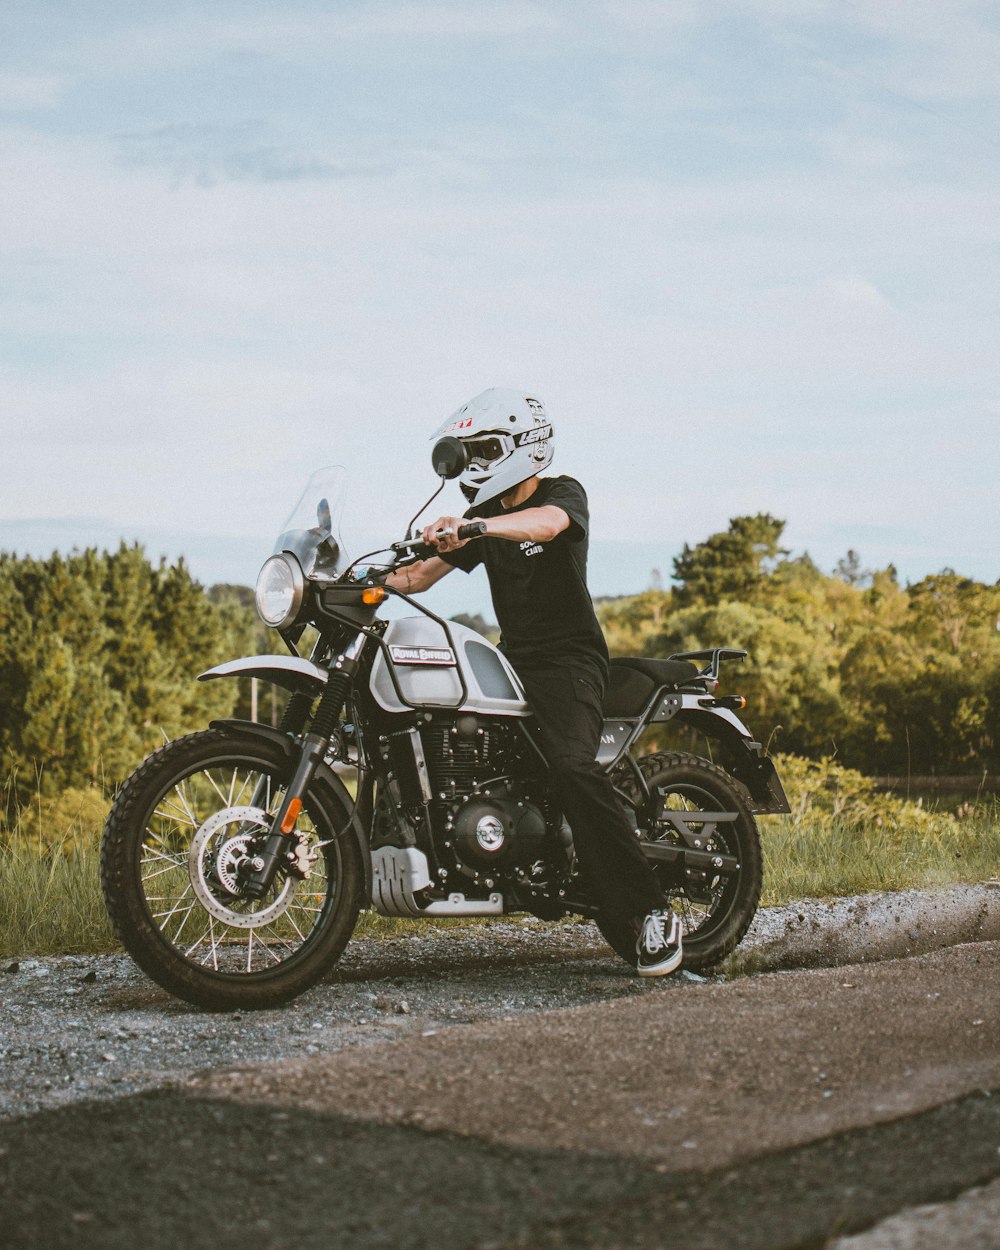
pixel 461 754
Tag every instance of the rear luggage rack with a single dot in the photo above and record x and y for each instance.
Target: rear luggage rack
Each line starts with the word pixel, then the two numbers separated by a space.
pixel 715 656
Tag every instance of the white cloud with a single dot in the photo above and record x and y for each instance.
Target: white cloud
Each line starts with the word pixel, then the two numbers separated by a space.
pixel 856 292
pixel 145 42
pixel 195 327
pixel 28 92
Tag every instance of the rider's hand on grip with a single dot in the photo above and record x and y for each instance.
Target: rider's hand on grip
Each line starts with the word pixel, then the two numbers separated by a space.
pixel 475 529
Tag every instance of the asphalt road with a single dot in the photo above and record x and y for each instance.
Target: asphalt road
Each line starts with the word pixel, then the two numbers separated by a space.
pixel 776 1111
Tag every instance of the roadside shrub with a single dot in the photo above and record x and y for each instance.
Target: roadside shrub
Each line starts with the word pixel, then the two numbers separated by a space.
pixel 66 822
pixel 823 792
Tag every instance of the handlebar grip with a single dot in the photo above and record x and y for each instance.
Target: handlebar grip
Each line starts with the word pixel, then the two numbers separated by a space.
pixel 475 529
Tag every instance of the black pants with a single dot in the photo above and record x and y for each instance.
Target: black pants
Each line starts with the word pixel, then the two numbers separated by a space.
pixel 567 703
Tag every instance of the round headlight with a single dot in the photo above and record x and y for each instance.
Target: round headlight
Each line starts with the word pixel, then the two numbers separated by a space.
pixel 280 589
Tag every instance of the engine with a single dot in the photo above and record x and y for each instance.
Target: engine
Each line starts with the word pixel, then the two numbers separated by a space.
pixel 482 818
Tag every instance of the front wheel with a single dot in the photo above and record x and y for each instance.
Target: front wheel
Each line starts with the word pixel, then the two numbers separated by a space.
pixel 715 911
pixel 170 869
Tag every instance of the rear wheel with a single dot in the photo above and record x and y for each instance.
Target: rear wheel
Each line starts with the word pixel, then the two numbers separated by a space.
pixel 715 909
pixel 170 869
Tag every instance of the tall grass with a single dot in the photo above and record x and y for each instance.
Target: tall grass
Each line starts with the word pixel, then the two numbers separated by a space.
pixel 51 902
pixel 842 837
pixel 845 837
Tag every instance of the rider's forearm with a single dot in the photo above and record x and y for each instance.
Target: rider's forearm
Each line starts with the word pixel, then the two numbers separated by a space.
pixel 420 576
pixel 406 580
pixel 538 525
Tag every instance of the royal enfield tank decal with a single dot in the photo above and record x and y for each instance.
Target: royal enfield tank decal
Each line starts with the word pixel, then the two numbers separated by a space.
pixel 441 656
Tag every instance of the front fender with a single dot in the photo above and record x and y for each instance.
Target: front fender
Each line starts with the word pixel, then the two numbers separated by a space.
pixel 330 787
pixel 290 671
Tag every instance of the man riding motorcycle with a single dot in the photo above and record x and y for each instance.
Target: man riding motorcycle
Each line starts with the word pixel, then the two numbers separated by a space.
pixel 534 549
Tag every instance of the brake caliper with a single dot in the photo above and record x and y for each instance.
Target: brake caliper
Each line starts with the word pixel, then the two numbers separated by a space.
pixel 301 857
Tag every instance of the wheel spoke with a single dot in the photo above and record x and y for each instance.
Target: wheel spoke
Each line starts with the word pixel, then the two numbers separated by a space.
pixel 699 914
pixel 179 791
pixel 180 817
pixel 236 796
pixel 173 912
pixel 180 927
pixel 215 786
pixel 174 861
pixel 214 952
pixel 291 921
pixel 279 939
pixel 152 835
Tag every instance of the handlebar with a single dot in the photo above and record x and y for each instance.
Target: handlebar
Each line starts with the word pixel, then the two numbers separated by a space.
pixel 420 550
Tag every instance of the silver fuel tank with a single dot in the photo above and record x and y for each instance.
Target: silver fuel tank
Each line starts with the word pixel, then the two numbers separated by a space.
pixel 429 670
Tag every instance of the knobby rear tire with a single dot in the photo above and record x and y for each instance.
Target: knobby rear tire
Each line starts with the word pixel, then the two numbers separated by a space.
pixel 720 932
pixel 126 843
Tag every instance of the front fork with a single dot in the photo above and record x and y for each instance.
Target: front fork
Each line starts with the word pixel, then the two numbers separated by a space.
pixel 262 867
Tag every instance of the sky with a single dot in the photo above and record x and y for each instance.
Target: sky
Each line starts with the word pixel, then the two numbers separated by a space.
pixel 746 251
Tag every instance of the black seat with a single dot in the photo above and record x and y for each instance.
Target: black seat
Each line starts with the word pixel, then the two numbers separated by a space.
pixel 632 681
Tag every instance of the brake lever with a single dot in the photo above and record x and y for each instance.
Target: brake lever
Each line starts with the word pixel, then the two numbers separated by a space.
pixel 413 549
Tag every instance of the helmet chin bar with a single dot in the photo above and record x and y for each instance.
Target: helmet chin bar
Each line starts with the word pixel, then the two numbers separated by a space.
pixel 485 491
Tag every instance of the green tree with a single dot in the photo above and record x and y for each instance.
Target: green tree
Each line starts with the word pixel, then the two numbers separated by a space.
pixel 98 658
pixel 730 564
pixel 48 705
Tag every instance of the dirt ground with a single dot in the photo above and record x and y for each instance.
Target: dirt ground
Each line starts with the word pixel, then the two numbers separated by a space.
pixel 779 1110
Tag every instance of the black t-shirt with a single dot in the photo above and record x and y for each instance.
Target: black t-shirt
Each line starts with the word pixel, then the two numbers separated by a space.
pixel 539 590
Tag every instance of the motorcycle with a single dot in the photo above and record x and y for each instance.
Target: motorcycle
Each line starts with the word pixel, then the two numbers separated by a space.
pixel 235 860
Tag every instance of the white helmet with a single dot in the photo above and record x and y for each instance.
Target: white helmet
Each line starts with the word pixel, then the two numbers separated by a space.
pixel 507 439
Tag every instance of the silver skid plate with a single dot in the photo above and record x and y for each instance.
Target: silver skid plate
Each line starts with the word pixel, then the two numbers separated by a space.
pixel 399 872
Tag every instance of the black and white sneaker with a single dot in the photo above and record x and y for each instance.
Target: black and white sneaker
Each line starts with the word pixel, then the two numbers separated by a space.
pixel 659 945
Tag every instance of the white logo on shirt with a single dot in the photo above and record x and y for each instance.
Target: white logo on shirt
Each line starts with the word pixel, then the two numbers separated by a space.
pixel 531 548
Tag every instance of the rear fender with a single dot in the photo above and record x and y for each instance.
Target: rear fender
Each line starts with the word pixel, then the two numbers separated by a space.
pixel 333 794
pixel 741 754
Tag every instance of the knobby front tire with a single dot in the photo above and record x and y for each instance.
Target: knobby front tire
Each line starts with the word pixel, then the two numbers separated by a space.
pixel 715 918
pixel 169 859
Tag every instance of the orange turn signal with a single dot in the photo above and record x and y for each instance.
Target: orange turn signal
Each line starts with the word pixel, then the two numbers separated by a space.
pixel 372 595
pixel 741 701
pixel 291 816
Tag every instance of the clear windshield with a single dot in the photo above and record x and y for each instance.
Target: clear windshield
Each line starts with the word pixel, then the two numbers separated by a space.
pixel 312 532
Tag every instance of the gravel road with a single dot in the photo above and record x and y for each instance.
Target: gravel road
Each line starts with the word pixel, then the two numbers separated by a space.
pixel 88 1027
pixel 76 1027
pixel 767 1113
pixel 390 1106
